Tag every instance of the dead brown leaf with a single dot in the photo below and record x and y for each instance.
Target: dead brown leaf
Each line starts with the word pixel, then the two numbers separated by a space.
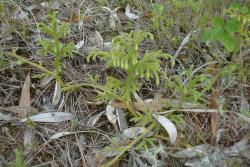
pixel 140 105
pixel 19 110
pixel 25 103
pixel 214 115
pixel 101 160
pixel 25 95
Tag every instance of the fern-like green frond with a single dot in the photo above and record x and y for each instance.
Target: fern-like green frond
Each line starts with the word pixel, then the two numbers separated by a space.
pixel 125 55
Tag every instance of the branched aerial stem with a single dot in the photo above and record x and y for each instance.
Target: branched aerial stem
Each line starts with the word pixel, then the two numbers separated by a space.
pixel 38 66
pixel 68 87
pixel 57 60
pixel 100 88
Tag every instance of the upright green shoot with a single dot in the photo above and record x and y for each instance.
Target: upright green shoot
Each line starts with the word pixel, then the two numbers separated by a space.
pixel 125 55
pixel 19 162
pixel 55 30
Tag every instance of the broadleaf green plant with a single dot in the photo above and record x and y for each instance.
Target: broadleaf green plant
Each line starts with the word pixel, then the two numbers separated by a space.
pixel 125 55
pixel 223 31
pixel 241 13
pixel 232 32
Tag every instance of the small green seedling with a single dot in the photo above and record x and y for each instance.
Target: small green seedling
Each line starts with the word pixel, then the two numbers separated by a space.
pixel 19 162
pixel 74 123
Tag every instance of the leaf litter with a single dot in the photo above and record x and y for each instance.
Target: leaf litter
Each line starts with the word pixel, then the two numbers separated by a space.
pixel 50 117
pixel 28 136
pixel 57 93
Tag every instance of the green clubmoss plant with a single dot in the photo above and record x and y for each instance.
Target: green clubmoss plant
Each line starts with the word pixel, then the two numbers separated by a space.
pixel 157 15
pixel 50 44
pixel 55 30
pixel 189 87
pixel 125 55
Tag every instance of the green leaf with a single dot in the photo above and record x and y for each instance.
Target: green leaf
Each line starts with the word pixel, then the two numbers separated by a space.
pixel 217 22
pixel 232 26
pixel 248 14
pixel 158 8
pixel 63 29
pixel 227 40
pixel 19 162
pixel 215 34
pixel 67 50
pixel 206 36
pixel 244 10
pixel 212 34
pixel 46 29
pixel 236 6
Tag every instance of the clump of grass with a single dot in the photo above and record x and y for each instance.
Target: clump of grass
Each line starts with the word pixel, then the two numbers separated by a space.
pixel 18 162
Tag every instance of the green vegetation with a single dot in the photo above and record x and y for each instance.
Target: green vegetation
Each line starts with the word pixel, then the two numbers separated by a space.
pixel 193 88
pixel 2 60
pixel 125 55
pixel 166 61
pixel 19 162
pixel 157 15
pixel 224 31
pixel 53 46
